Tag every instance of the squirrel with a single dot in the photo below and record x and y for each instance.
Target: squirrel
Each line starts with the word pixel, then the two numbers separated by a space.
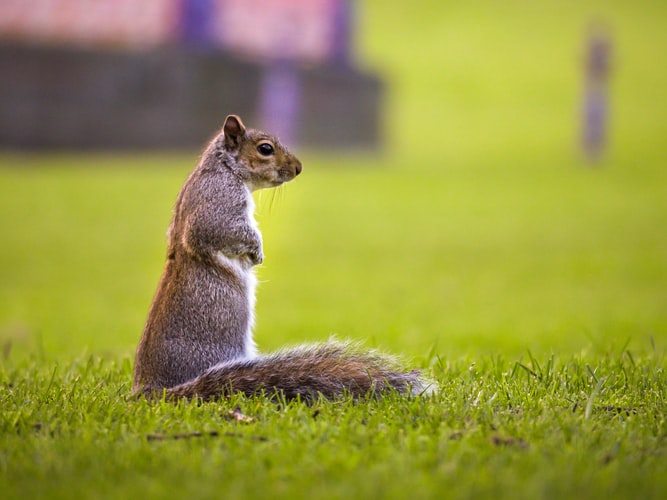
pixel 197 341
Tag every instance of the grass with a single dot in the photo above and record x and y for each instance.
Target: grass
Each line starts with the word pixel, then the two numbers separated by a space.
pixel 527 429
pixel 479 245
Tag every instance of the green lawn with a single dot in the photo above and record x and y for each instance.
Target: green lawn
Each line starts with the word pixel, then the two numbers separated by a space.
pixel 478 244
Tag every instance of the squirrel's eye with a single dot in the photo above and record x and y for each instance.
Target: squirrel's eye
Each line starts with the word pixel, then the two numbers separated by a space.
pixel 265 149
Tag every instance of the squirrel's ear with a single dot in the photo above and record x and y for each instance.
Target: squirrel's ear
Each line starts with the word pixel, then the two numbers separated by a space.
pixel 234 131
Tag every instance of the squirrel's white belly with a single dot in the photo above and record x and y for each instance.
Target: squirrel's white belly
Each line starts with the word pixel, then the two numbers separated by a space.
pixel 241 268
pixel 238 266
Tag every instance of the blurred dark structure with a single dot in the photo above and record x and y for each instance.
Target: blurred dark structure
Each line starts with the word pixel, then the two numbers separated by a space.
pixel 596 93
pixel 173 87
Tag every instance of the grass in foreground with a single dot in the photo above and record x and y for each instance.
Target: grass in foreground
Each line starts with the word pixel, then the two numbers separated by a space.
pixel 554 427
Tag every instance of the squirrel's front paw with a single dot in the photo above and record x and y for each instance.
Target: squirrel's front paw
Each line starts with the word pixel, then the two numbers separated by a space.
pixel 256 256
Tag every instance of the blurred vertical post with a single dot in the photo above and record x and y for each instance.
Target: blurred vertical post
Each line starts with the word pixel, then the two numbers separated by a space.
pixel 280 99
pixel 195 18
pixel 342 32
pixel 596 92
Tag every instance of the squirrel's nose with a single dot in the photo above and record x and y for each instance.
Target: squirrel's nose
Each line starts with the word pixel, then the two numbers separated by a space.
pixel 297 168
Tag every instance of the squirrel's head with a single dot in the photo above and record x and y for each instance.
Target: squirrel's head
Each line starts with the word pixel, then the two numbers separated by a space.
pixel 257 157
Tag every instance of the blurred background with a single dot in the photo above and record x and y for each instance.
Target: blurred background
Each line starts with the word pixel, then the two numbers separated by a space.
pixel 158 73
pixel 487 178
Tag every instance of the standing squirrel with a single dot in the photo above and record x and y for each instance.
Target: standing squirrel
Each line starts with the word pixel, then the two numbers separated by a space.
pixel 197 342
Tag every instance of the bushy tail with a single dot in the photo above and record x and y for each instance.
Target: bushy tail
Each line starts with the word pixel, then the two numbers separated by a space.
pixel 325 370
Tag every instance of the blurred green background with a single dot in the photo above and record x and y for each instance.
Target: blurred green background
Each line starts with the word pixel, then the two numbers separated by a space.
pixel 478 229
